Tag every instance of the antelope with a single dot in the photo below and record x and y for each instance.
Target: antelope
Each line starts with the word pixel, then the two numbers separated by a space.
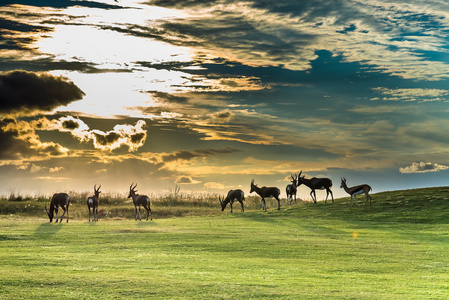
pixel 356 190
pixel 232 196
pixel 58 200
pixel 317 184
pixel 92 202
pixel 291 189
pixel 140 200
pixel 266 192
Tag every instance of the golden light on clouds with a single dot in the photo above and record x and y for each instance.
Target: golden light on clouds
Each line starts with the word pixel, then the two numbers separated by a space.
pixel 211 95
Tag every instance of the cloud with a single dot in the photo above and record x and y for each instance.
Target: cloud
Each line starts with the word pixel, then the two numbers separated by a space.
pixel 55 169
pixel 264 33
pixel 168 98
pixel 131 136
pixel 222 116
pixel 30 92
pixel 199 153
pixel 186 180
pixel 63 4
pixel 423 167
pixel 20 141
pixel 214 186
pixel 412 94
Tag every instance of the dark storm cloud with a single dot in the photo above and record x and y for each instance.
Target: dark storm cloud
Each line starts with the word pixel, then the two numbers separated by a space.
pixel 51 149
pixel 6 25
pixel 13 41
pixel 222 116
pixel 70 124
pixel 309 10
pixel 236 33
pixel 199 153
pixel 49 64
pixel 138 138
pixel 10 147
pixel 168 98
pixel 18 140
pixel 106 139
pixel 22 90
pixel 61 3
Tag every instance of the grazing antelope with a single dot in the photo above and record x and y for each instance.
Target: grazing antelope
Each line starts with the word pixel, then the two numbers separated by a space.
pixel 58 200
pixel 140 200
pixel 266 192
pixel 232 196
pixel 356 190
pixel 317 184
pixel 291 189
pixel 92 202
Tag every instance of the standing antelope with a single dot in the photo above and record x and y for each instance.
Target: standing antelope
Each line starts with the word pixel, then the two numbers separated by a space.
pixel 140 200
pixel 232 196
pixel 58 200
pixel 266 192
pixel 92 202
pixel 317 184
pixel 291 189
pixel 356 190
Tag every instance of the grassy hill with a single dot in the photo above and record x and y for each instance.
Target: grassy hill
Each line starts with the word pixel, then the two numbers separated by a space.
pixel 396 248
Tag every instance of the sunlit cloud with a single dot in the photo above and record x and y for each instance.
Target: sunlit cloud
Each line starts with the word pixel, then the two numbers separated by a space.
pixel 423 167
pixel 211 94
pixel 186 180
pixel 131 136
pixel 22 143
pixel 415 94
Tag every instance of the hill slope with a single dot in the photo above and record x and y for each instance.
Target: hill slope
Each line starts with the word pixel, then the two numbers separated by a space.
pixel 397 248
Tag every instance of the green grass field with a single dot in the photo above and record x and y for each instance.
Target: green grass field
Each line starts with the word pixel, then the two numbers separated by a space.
pixel 396 249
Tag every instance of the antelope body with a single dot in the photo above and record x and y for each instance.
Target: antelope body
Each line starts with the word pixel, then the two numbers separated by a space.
pixel 233 195
pixel 356 190
pixel 140 200
pixel 317 184
pixel 291 189
pixel 266 192
pixel 58 200
pixel 92 203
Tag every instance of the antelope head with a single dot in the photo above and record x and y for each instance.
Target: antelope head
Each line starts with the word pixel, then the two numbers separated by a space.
pixel 253 186
pixel 294 179
pixel 223 205
pixel 97 191
pixel 49 213
pixel 343 182
pixel 132 191
pixel 299 178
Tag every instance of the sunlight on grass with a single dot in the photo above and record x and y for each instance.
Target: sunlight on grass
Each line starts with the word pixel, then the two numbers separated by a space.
pixel 388 250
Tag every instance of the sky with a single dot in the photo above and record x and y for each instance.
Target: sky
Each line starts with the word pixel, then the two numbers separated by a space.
pixel 208 95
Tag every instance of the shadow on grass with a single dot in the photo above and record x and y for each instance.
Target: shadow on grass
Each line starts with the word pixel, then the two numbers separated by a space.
pixel 48 228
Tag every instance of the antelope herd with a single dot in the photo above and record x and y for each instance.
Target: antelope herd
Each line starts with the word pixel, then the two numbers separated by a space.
pixel 62 200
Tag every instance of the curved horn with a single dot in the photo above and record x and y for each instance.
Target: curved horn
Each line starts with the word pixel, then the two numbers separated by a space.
pixel 95 187
pixel 98 188
pixel 291 175
pixel 219 199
